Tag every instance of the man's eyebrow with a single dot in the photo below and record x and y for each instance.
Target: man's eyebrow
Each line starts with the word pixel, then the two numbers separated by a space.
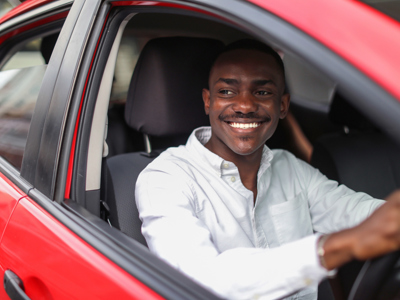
pixel 263 82
pixel 229 81
pixel 257 82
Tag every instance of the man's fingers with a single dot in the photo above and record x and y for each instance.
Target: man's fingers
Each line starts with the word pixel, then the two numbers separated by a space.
pixel 380 233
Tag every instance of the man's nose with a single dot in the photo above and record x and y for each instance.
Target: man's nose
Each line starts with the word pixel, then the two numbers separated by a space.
pixel 245 103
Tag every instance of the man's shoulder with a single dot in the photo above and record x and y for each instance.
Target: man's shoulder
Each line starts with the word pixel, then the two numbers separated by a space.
pixel 286 162
pixel 283 158
pixel 282 155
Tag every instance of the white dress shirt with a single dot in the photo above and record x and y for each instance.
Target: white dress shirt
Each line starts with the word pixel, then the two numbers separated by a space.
pixel 198 216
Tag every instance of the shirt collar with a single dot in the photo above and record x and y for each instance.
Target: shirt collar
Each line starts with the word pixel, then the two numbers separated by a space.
pixel 201 136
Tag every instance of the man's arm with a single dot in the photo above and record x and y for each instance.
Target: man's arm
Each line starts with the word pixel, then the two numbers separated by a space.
pixel 377 235
pixel 360 227
pixel 333 207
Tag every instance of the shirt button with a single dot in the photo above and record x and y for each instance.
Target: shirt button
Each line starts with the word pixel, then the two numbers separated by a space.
pixel 226 165
pixel 308 281
pixel 233 178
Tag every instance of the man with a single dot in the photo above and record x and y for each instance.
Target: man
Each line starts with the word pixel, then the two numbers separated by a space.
pixel 239 218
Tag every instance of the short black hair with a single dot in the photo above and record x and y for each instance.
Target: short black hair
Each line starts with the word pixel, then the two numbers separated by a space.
pixel 251 44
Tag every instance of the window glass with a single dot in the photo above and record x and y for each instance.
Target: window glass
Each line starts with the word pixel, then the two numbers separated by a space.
pixel 20 81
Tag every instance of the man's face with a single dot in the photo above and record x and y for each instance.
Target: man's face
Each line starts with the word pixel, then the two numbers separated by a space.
pixel 245 101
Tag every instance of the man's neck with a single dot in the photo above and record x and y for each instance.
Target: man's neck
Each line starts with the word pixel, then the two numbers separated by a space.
pixel 248 165
pixel 248 169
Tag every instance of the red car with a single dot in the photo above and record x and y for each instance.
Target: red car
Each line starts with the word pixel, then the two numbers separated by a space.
pixel 85 105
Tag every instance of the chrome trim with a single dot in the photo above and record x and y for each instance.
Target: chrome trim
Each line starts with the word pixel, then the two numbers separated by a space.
pixel 34 13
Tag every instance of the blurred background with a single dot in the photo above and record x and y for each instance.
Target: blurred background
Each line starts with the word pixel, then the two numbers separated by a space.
pixel 6 5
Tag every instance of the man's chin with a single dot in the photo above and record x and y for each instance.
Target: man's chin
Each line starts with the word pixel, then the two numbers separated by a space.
pixel 245 150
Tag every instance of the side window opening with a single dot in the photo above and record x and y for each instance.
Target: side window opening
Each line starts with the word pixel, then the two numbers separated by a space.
pixel 20 80
pixel 313 87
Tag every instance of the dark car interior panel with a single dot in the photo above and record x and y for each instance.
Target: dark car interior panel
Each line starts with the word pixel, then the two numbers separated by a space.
pixel 358 155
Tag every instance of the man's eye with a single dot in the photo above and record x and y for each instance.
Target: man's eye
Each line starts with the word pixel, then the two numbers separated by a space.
pixel 263 93
pixel 226 92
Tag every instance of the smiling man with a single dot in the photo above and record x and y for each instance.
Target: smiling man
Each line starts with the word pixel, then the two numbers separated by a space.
pixel 245 102
pixel 246 221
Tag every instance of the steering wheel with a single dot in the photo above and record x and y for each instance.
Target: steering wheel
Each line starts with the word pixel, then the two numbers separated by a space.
pixel 379 279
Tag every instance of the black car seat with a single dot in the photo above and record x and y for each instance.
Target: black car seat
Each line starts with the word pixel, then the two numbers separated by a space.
pixel 164 103
pixel 359 156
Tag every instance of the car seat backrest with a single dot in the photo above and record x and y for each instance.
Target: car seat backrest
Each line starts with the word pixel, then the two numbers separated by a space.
pixel 359 156
pixel 165 104
pixel 167 83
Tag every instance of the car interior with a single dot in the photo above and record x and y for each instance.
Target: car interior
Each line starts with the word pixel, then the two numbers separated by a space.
pixel 150 99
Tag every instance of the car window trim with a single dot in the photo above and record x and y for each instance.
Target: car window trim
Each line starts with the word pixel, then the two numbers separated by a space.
pixel 33 14
pixel 79 104
pixel 7 48
pixel 40 161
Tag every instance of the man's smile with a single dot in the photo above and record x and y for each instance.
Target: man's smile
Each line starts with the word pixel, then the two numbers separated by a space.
pixel 244 125
pixel 244 121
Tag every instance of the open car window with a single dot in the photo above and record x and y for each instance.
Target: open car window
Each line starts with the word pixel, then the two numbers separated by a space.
pixel 312 91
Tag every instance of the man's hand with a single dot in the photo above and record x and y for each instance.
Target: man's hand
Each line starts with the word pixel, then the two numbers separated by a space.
pixel 376 236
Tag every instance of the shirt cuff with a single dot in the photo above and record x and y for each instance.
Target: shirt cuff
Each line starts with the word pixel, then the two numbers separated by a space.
pixel 320 253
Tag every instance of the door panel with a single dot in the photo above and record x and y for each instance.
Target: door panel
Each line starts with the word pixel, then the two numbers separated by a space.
pixel 53 263
pixel 9 196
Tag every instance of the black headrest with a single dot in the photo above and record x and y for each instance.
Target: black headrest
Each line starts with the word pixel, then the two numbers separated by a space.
pixel 164 96
pixel 345 114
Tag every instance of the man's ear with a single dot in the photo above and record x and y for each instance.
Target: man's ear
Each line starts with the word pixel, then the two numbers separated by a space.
pixel 206 100
pixel 285 102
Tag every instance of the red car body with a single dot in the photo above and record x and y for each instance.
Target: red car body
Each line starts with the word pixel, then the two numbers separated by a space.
pixel 43 241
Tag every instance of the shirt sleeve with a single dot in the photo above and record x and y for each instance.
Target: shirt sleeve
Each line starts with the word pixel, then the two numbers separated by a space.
pixel 167 208
pixel 334 207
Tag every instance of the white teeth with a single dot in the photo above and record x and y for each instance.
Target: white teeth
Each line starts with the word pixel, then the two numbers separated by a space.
pixel 244 125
